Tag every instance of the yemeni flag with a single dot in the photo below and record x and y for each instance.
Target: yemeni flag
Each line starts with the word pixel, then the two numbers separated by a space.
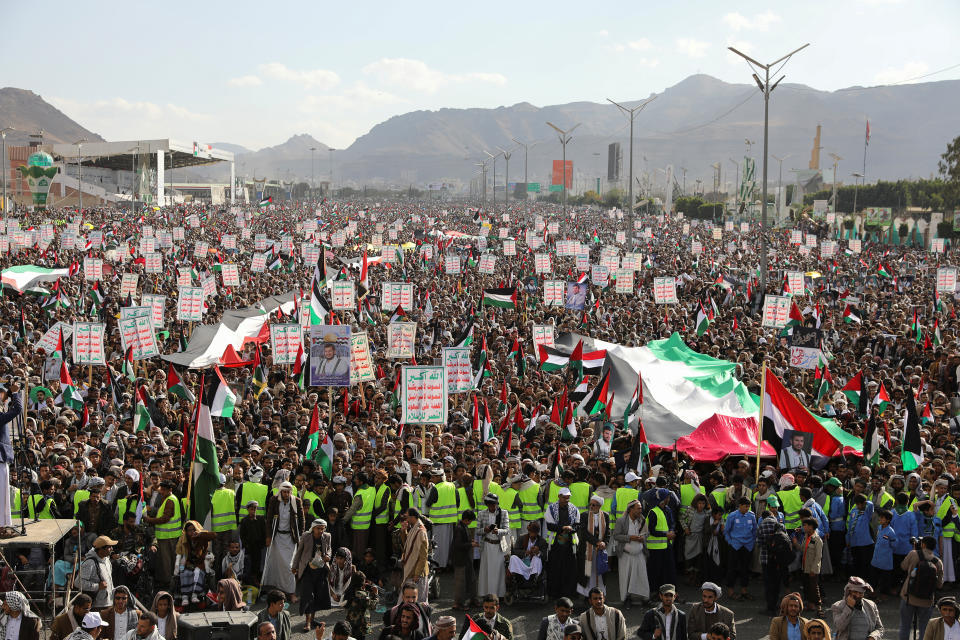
pixel 854 388
pixel 206 467
pixel 551 359
pixel 782 411
pixel 850 316
pixel 871 442
pixel 176 387
pixel 882 399
pixel 141 415
pixel 911 453
pixel 505 297
pixel 71 395
pixel 596 401
pixel 300 366
pixel 219 398
pixel 472 631
pixel 703 321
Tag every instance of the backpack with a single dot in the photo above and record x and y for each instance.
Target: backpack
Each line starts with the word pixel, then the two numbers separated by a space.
pixel 779 549
pixel 923 579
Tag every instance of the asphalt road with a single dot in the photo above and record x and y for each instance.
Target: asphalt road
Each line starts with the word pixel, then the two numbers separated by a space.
pixel 752 624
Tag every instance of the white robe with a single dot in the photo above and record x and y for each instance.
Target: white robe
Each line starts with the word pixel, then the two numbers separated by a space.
pixel 280 553
pixel 632 566
pixel 443 536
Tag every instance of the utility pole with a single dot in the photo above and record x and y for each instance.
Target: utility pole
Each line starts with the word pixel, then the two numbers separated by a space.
pixel 525 181
pixel 331 171
pixel 565 137
pixel 836 163
pixel 493 206
pixel 631 113
pixel 780 181
pixel 483 171
pixel 506 179
pixel 6 164
pixel 312 172
pixel 79 143
pixel 736 183
pixel 856 185
pixel 766 87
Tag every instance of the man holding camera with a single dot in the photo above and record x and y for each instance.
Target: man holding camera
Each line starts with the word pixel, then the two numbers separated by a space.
pixel 924 576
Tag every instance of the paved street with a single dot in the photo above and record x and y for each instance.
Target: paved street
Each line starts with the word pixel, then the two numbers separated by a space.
pixel 751 623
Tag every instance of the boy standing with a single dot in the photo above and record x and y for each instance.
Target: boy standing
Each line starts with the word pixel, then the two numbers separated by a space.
pixel 882 562
pixel 811 549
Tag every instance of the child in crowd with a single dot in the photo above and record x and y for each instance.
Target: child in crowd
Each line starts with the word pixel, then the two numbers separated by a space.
pixel 882 562
pixel 811 553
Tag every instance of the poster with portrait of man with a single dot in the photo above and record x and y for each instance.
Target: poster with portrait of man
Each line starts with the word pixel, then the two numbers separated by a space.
pixel 796 449
pixel 576 296
pixel 330 355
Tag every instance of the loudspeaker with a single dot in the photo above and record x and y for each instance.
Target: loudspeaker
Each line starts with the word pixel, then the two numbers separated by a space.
pixel 216 625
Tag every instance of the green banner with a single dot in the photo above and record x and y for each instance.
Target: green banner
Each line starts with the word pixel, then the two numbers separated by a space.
pixel 533 187
pixel 556 187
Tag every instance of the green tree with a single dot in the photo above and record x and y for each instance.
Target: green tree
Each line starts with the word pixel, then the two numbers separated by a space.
pixel 949 166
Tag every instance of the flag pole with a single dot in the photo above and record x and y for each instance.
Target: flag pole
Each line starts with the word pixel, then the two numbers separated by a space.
pixel 763 396
pixel 193 453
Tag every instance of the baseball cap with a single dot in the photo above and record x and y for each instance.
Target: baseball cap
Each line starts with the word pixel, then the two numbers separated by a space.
pixel 93 620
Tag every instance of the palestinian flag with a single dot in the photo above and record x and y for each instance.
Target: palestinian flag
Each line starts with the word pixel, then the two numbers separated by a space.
pixel 323 452
pixel 275 265
pixel 782 411
pixel 882 271
pixel 882 399
pixel 871 443
pixel 633 405
pixel 141 415
pixel 71 395
pixel 911 453
pixel 596 401
pixel 115 391
pixel 176 387
pixel 581 390
pixel 259 375
pixel 300 366
pixel 796 318
pixel 504 297
pixel 927 415
pixel 363 286
pixel 23 325
pixel 95 294
pixel 849 315
pixel 822 380
pixel 58 351
pixel 464 336
pixel 937 338
pixel 264 202
pixel 472 631
pixel 319 307
pixel 551 359
pixel 483 365
pixel 206 468
pixel 854 388
pixel 28 276
pixel 219 398
pixel 703 321
pixel 127 367
pixel 398 314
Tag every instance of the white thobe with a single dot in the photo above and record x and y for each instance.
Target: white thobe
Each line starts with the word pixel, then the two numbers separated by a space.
pixel 633 566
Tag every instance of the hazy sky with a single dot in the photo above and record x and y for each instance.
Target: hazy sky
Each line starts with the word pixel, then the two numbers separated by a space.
pixel 256 73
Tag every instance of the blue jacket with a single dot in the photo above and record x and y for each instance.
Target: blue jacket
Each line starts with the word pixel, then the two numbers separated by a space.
pixel 837 513
pixel 740 530
pixel 905 524
pixel 858 526
pixel 823 524
pixel 883 549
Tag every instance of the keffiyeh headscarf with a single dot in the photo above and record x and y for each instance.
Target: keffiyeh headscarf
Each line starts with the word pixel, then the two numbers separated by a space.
pixel 339 579
pixel 17 602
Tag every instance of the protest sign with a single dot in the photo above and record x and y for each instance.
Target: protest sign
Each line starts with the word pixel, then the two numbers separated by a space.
pixel 230 274
pixel 543 334
pixel 600 275
pixel 128 284
pixel 361 364
pixel 285 341
pixel 88 343
pixel 459 372
pixel 157 304
pixel 400 339
pixel 136 333
pixel 190 304
pixel 92 269
pixel 488 263
pixel 423 397
pixel 937 245
pixel 553 291
pixel 393 294
pixel 541 263
pixel 259 263
pixel 48 342
pixel 330 355
pixel 795 283
pixel 946 279
pixel 510 247
pixel 776 311
pixel 343 295
pixel 624 280
pixel 451 263
pixel 805 348
pixel 665 290
pixel 153 263
pixel 200 249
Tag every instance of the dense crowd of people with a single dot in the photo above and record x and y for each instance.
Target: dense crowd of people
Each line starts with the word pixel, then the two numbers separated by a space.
pixel 530 512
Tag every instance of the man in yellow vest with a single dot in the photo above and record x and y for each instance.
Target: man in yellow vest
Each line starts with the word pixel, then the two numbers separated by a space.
pixel 247 491
pixel 510 500
pixel 580 491
pixel 440 505
pixel 360 514
pixel 42 505
pixel 945 505
pixel 789 495
pixel 660 564
pixel 621 499
pixel 379 532
pixel 689 489
pixel 223 518
pixel 128 496
pixel 167 525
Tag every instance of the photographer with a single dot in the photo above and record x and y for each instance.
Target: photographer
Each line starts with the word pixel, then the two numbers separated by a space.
pixel 924 576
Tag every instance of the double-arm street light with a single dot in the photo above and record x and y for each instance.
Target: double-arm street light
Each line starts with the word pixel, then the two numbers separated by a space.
pixel 6 164
pixel 79 144
pixel 631 113
pixel 565 137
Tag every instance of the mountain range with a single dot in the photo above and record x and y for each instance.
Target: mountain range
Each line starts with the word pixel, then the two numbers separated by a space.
pixel 691 125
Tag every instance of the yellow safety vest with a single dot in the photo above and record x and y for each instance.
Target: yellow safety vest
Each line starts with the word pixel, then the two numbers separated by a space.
pixel 383 493
pixel 531 509
pixel 45 514
pixel 16 507
pixel 293 491
pixel 361 519
pixel 254 491
pixel 624 496
pixel 309 497
pixel 550 536
pixel 122 507
pixel 444 510
pixel 688 492
pixel 79 496
pixel 949 528
pixel 553 493
pixel 720 496
pixel 580 496
pixel 885 499
pixel 657 538
pixel 791 507
pixel 174 527
pixel 398 502
pixel 509 499
pixel 223 517
pixel 607 507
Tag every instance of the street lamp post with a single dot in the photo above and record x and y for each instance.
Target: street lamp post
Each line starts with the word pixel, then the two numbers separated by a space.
pixel 767 89
pixel 6 165
pixel 493 196
pixel 506 179
pixel 736 183
pixel 331 149
pixel 836 163
pixel 312 172
pixel 565 137
pixel 780 180
pixel 856 184
pixel 631 113
pixel 525 182
pixel 79 143
pixel 483 172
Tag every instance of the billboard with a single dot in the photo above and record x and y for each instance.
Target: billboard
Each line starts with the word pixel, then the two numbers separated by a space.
pixel 614 161
pixel 557 177
pixel 877 215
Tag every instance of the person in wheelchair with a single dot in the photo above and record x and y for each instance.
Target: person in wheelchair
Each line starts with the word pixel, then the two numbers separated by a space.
pixel 528 555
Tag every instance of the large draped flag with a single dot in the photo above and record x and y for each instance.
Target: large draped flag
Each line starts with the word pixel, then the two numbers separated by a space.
pixel 782 412
pixel 219 398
